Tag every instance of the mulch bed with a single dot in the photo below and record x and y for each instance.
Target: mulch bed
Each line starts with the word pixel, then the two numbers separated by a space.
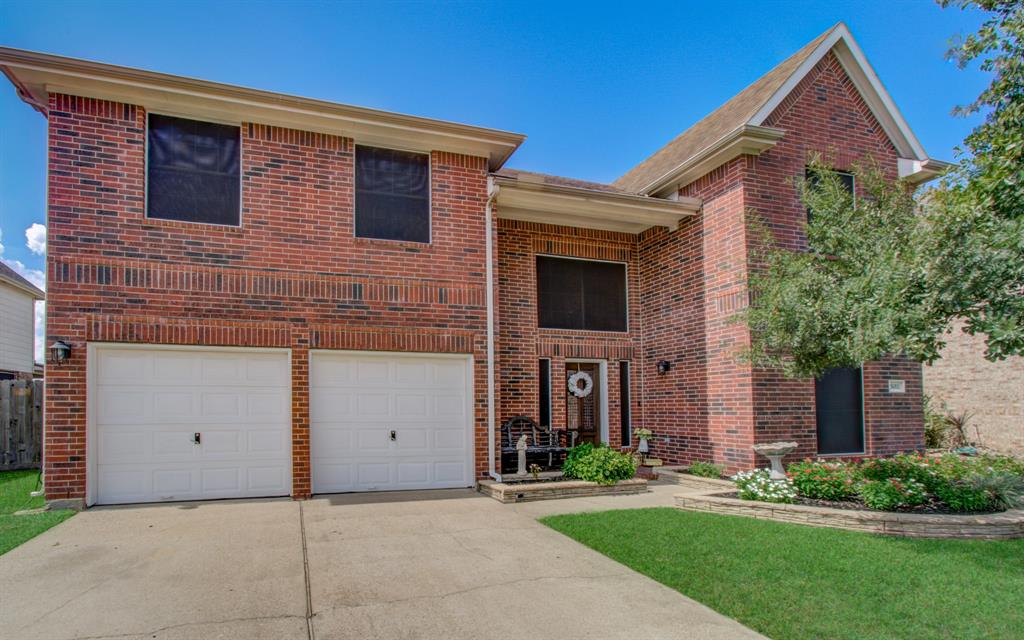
pixel 930 507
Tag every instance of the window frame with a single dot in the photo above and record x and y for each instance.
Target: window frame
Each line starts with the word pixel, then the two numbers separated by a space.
pixel 536 291
pixel 863 420
pixel 241 170
pixel 430 193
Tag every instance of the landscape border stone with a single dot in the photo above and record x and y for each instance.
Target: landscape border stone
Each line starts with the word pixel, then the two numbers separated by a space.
pixel 530 491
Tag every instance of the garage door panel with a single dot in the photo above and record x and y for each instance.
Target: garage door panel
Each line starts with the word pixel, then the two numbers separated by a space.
pixel 145 424
pixel 356 400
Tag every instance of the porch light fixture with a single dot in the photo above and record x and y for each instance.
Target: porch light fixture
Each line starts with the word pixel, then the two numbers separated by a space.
pixel 60 351
pixel 664 366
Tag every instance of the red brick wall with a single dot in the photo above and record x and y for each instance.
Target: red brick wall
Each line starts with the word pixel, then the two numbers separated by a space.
pixel 521 343
pixel 292 275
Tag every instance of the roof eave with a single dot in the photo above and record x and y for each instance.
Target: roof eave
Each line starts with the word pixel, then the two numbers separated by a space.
pixel 588 208
pixel 25 287
pixel 745 139
pixel 35 75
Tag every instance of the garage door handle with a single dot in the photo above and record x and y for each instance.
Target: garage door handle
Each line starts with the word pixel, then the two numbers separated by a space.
pixel 394 435
pixel 196 438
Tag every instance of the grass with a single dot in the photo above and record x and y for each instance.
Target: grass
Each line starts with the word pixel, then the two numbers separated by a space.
pixel 791 581
pixel 15 487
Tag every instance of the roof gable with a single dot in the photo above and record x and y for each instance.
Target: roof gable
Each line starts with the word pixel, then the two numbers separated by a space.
pixel 748 111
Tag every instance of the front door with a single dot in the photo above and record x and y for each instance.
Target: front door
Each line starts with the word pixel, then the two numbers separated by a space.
pixel 583 401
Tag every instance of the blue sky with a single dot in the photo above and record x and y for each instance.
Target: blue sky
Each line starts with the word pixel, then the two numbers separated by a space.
pixel 596 86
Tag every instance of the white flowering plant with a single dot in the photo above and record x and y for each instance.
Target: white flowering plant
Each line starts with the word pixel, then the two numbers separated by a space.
pixel 757 484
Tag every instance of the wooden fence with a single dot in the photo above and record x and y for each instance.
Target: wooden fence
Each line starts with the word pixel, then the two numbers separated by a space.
pixel 21 424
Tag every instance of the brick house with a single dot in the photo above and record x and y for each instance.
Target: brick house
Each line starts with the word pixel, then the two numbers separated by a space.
pixel 272 295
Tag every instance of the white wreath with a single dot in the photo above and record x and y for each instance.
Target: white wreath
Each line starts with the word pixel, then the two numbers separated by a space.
pixel 574 384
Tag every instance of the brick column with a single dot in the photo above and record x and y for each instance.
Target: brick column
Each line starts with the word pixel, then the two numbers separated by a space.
pixel 301 480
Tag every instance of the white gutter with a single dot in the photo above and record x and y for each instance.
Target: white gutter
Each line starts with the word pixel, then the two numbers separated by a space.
pixel 492 193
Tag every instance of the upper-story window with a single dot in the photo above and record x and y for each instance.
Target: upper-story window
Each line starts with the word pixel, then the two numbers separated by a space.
pixel 845 179
pixel 193 171
pixel 581 294
pixel 392 194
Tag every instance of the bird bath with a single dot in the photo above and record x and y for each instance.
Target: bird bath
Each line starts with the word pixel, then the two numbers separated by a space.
pixel 775 451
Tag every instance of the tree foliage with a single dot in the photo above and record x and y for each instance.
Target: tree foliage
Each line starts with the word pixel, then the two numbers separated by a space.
pixel 888 272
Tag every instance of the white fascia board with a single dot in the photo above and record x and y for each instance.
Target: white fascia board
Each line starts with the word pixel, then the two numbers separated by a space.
pixel 921 171
pixel 866 82
pixel 747 139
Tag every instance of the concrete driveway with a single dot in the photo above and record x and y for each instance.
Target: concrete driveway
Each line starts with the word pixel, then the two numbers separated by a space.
pixel 441 564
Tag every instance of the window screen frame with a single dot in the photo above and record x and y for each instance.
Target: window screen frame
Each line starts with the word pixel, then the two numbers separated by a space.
pixel 853 185
pixel 241 168
pixel 625 284
pixel 863 420
pixel 625 404
pixel 430 193
pixel 541 362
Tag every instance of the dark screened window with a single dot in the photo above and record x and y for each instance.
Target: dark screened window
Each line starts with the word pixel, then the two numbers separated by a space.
pixel 193 171
pixel 544 381
pixel 392 194
pixel 581 294
pixel 624 413
pixel 845 178
pixel 838 398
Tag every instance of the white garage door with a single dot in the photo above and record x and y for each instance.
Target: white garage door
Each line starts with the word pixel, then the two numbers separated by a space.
pixel 189 424
pixel 384 422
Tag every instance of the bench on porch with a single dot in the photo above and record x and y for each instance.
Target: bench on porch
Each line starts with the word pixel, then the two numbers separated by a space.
pixel 541 442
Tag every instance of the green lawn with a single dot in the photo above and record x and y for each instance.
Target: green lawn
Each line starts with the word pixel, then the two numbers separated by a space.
pixel 15 487
pixel 792 581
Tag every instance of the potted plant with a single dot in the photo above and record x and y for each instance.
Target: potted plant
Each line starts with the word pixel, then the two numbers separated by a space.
pixel 643 435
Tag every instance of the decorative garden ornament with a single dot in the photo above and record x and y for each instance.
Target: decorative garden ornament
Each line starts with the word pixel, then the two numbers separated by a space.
pixel 521 451
pixel 581 384
pixel 775 451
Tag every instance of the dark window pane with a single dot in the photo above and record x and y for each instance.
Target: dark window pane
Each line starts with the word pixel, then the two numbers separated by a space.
pixel 581 294
pixel 846 179
pixel 392 194
pixel 624 413
pixel 193 171
pixel 839 401
pixel 544 382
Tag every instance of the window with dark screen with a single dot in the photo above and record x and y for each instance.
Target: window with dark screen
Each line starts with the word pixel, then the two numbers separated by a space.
pixel 544 399
pixel 845 178
pixel 193 171
pixel 392 194
pixel 581 294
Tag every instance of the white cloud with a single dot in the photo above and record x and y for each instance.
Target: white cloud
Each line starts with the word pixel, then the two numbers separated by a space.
pixel 35 238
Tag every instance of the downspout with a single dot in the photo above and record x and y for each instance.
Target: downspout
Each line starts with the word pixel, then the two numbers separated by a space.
pixel 492 194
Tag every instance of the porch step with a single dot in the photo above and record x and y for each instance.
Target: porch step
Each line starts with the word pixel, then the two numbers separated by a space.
pixel 526 492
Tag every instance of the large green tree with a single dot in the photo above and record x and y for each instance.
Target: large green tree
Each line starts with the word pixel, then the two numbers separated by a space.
pixel 889 272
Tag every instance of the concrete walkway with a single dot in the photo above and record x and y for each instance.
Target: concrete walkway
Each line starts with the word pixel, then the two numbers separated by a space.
pixel 436 564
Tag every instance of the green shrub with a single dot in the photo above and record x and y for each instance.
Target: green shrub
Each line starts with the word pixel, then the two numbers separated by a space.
pixel 965 495
pixel 706 469
pixel 598 464
pixel 888 495
pixel 1005 490
pixel 758 485
pixel 824 480
pixel 901 467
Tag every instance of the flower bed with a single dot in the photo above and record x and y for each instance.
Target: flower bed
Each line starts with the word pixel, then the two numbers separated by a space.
pixel 904 483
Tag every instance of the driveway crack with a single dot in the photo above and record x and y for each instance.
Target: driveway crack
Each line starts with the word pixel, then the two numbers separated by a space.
pixel 305 571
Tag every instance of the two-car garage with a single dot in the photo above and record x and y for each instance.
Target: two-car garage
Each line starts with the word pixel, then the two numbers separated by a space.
pixel 186 423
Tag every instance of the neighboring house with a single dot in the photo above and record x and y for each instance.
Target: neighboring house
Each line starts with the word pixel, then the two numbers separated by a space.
pixel 271 295
pixel 963 382
pixel 18 299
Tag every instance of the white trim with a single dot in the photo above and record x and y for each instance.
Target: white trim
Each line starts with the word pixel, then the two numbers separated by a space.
pixel 430 193
pixel 470 395
pixel 37 74
pixel 864 79
pixel 91 349
pixel 553 255
pixel 145 175
pixel 603 372
pixel 492 192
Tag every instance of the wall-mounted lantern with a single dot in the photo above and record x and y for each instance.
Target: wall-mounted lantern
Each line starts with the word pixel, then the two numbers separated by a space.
pixel 664 366
pixel 60 351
